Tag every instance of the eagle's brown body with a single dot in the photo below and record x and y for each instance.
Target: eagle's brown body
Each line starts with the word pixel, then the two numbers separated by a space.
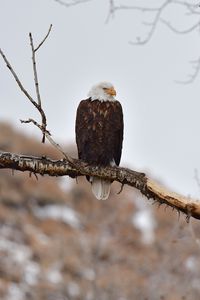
pixel 99 132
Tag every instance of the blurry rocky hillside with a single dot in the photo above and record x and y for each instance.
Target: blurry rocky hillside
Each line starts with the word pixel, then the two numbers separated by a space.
pixel 59 243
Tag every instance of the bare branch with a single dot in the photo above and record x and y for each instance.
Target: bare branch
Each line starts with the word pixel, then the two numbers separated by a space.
pixel 111 10
pixel 35 71
pixel 153 25
pixel 18 80
pixel 188 5
pixel 74 168
pixel 39 108
pixel 156 13
pixel 174 29
pixel 133 7
pixel 140 181
pixel 41 111
pixel 42 42
pixel 73 3
pixel 38 103
pixel 157 10
pixel 49 138
pixel 42 127
pixel 193 76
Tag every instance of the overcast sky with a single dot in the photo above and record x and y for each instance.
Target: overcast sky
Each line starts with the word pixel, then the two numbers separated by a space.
pixel 162 124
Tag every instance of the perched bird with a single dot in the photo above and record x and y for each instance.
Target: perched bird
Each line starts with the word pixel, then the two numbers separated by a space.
pixel 99 133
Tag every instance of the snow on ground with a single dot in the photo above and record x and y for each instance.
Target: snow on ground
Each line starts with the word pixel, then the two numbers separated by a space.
pixel 16 260
pixel 15 292
pixel 65 183
pixel 144 221
pixel 54 275
pixel 58 212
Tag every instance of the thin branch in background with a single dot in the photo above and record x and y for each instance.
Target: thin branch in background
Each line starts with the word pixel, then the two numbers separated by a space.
pixel 72 3
pixel 189 6
pixel 111 11
pixel 194 75
pixel 156 13
pixel 74 168
pixel 38 106
pixel 178 31
pixel 49 138
pixel 23 89
pixel 153 26
pixel 33 49
pixel 17 79
pixel 35 71
pixel 42 42
pixel 134 7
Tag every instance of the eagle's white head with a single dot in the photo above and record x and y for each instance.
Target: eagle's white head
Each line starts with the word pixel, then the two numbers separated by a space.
pixel 103 91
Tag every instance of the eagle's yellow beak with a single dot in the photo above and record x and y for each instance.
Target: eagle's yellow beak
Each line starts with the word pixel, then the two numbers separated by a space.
pixel 110 91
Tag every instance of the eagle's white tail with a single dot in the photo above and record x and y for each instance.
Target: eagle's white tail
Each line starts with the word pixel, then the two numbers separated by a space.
pixel 100 188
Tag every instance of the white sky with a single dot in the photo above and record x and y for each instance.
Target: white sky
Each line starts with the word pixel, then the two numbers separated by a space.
pixel 162 124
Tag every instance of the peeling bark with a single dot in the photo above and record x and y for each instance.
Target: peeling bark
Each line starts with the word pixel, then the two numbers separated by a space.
pixel 149 188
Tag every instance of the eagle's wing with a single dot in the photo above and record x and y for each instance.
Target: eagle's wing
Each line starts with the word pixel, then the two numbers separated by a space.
pixel 82 134
pixel 119 132
pixel 99 131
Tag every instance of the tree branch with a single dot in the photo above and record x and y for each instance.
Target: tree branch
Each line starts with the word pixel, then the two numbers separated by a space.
pixel 50 139
pixel 18 80
pixel 35 70
pixel 38 104
pixel 72 3
pixel 40 109
pixel 75 168
pixel 194 75
pixel 149 188
pixel 178 31
pixel 42 42
pixel 156 14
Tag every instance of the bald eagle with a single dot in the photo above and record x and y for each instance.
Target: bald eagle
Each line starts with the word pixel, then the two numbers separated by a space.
pixel 99 133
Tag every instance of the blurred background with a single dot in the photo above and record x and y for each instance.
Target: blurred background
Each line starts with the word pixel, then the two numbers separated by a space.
pixel 56 240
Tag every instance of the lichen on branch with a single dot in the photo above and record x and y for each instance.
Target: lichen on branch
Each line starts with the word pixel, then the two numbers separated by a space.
pixel 149 188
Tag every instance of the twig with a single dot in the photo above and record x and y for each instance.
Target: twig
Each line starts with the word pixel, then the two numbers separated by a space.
pixel 38 107
pixel 43 126
pixel 156 13
pixel 174 29
pixel 75 2
pixel 49 138
pixel 153 25
pixel 30 98
pixel 42 42
pixel 133 7
pixel 17 80
pixel 188 5
pixel 121 189
pixel 35 70
pixel 111 11
pixel 42 113
pixel 193 76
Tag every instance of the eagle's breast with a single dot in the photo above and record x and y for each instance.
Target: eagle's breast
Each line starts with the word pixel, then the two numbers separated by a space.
pixel 99 131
